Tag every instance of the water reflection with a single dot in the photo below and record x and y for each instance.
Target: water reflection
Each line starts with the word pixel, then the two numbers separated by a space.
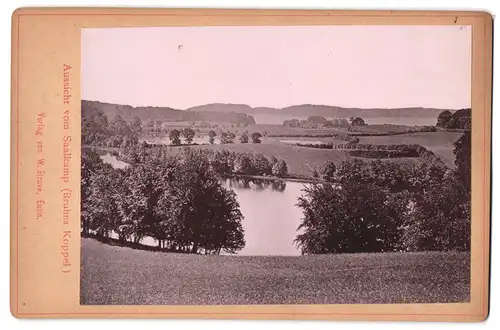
pixel 255 184
pixel 271 216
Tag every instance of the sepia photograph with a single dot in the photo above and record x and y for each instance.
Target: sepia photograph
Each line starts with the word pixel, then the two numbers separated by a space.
pixel 246 165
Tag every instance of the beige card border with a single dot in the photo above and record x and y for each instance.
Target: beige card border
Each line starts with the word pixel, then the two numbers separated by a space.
pixel 43 39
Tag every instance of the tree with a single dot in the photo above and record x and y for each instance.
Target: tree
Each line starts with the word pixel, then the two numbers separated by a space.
pixel 444 119
pixel 212 136
pixel 256 137
pixel 199 213
pixel 146 182
pixel 136 125
pixel 280 169
pixel 328 171
pixel 102 205
pixel 222 162
pixel 243 164
pixel 231 136
pixel 118 126
pixel 244 137
pixel 358 121
pixel 223 138
pixel 174 137
pixel 352 219
pixel 461 119
pixel 462 151
pixel 261 165
pixel 439 219
pixel 227 138
pixel 92 165
pixel 188 134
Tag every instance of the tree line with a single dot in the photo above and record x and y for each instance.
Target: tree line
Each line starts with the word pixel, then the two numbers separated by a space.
pixel 376 206
pixel 224 163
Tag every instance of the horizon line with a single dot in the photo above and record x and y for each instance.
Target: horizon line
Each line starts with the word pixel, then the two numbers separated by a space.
pixel 289 106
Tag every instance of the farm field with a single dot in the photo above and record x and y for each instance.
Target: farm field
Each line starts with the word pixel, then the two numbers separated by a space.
pixel 441 143
pixel 382 128
pixel 118 275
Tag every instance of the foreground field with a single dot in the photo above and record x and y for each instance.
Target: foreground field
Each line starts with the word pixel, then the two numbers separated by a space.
pixel 123 276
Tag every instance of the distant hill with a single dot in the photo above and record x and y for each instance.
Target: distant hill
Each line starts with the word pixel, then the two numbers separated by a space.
pixel 242 113
pixel 305 110
pixel 127 112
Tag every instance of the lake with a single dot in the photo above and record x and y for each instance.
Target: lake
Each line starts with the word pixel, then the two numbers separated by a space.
pixel 115 162
pixel 271 217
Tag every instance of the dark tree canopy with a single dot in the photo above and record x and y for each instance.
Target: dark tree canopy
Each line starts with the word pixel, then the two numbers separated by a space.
pixel 444 118
pixel 174 137
pixel 381 206
pixel 244 137
pixel 328 171
pixel 358 121
pixel 462 151
pixel 212 136
pixel 188 135
pixel 256 136
pixel 227 137
pixel 460 119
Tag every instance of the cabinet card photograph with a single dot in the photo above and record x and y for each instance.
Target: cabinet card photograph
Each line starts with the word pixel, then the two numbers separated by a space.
pixel 250 164
pixel 276 165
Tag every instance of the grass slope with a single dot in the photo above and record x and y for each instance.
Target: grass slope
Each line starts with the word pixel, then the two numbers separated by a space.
pixel 123 276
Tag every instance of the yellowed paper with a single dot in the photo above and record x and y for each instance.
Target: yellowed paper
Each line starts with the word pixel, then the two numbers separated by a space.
pixel 46 151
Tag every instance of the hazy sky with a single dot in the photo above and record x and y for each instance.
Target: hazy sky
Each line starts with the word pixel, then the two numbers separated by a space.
pixel 349 66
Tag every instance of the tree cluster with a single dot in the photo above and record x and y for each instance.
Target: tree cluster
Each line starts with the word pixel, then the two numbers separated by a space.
pixel 460 119
pixel 118 133
pixel 381 206
pixel 178 201
pixel 223 162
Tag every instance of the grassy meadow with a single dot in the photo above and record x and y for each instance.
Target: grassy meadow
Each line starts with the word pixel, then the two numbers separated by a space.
pixel 118 275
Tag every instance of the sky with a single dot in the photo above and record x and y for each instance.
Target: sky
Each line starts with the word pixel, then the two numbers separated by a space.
pixel 279 66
